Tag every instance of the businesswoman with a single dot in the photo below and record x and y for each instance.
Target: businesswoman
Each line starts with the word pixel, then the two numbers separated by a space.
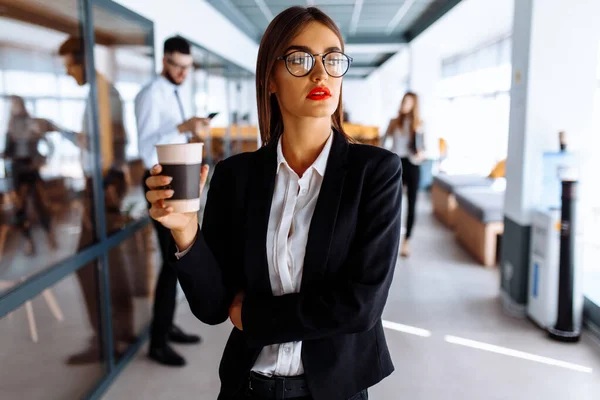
pixel 22 140
pixel 406 131
pixel 299 238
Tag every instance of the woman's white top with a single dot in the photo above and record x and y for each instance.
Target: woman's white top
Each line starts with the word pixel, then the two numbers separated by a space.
pixel 401 144
pixel 402 139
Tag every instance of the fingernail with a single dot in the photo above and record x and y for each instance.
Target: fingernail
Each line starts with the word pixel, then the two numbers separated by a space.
pixel 168 179
pixel 169 193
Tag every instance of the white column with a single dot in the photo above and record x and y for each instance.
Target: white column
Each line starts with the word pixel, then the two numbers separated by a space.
pixel 425 74
pixel 555 48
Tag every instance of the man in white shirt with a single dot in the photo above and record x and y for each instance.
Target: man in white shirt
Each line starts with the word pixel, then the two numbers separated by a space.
pixel 161 119
pixel 113 140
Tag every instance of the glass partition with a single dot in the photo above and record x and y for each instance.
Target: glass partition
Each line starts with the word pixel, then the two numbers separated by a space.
pixel 44 126
pixel 244 132
pixel 222 87
pixel 589 195
pixel 51 345
pixel 124 62
pixel 473 104
pixel 74 301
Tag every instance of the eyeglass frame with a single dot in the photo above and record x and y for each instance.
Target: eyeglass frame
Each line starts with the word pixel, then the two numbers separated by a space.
pixel 177 65
pixel 322 55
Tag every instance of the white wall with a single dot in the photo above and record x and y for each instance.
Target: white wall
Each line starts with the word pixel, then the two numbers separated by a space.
pixel 393 79
pixel 362 100
pixel 567 69
pixel 556 92
pixel 424 78
pixel 198 21
pixel 466 26
pixel 470 24
pixel 376 99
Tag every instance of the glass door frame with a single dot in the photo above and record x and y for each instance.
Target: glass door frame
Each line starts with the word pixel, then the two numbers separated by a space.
pixel 36 284
pixel 232 74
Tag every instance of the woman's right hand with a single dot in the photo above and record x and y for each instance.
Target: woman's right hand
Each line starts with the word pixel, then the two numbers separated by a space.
pixel 156 196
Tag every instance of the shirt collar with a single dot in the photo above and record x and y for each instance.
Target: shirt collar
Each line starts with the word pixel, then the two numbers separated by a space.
pixel 320 163
pixel 167 84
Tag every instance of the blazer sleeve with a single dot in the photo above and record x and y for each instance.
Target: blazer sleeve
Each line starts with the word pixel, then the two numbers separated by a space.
pixel 350 306
pixel 204 272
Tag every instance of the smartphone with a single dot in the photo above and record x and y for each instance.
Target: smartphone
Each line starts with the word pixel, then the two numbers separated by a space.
pixel 419 145
pixel 212 115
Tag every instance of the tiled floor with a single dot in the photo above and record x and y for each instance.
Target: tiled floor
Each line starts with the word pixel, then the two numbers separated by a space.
pixel 440 290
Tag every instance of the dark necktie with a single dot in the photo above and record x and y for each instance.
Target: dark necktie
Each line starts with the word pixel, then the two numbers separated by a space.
pixel 180 105
pixel 188 134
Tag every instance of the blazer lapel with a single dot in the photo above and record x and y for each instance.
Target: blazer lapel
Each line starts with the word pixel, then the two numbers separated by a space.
pixel 324 218
pixel 260 196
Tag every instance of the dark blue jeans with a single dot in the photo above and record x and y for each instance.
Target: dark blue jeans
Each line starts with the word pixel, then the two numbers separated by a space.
pixel 364 395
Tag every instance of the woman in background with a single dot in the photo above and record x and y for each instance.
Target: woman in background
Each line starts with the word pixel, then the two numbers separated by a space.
pixel 406 131
pixel 22 140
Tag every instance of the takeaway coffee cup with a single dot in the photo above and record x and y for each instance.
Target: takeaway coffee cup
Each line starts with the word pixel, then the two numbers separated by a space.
pixel 182 162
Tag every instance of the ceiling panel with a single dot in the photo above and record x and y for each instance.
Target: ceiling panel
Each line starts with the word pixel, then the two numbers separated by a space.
pixel 364 58
pixel 335 10
pixel 242 3
pixel 368 25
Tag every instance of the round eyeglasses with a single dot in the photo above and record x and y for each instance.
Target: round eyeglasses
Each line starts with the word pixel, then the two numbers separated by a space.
pixel 300 63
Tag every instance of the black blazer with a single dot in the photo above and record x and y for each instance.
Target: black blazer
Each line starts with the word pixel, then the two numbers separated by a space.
pixel 348 268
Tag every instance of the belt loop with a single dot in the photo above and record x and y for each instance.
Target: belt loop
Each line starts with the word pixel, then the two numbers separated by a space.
pixel 280 388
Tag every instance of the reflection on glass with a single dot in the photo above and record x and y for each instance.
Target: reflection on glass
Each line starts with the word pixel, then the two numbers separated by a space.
pixel 223 88
pixel 589 194
pixel 43 131
pixel 133 272
pixel 48 119
pixel 123 63
pixel 51 350
pixel 121 306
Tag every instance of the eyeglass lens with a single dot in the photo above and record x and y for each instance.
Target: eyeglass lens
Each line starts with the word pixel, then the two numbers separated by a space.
pixel 301 63
pixel 179 66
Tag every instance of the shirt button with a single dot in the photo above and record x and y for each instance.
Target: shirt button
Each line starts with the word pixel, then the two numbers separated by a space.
pixel 303 191
pixel 286 349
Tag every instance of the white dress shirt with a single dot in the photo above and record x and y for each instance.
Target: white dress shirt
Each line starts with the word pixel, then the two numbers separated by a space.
pixel 292 208
pixel 402 143
pixel 402 139
pixel 110 122
pixel 158 113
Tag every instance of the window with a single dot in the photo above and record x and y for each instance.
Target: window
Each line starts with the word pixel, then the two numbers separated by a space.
pixel 589 195
pixel 54 264
pixel 41 173
pixel 474 108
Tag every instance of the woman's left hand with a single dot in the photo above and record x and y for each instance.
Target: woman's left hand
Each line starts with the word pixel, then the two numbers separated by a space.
pixel 420 155
pixel 235 311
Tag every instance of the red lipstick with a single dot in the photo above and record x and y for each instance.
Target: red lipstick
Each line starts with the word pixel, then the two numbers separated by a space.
pixel 319 93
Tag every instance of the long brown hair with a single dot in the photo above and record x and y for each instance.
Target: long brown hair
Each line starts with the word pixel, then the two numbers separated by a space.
pixel 19 116
pixel 276 39
pixel 414 115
